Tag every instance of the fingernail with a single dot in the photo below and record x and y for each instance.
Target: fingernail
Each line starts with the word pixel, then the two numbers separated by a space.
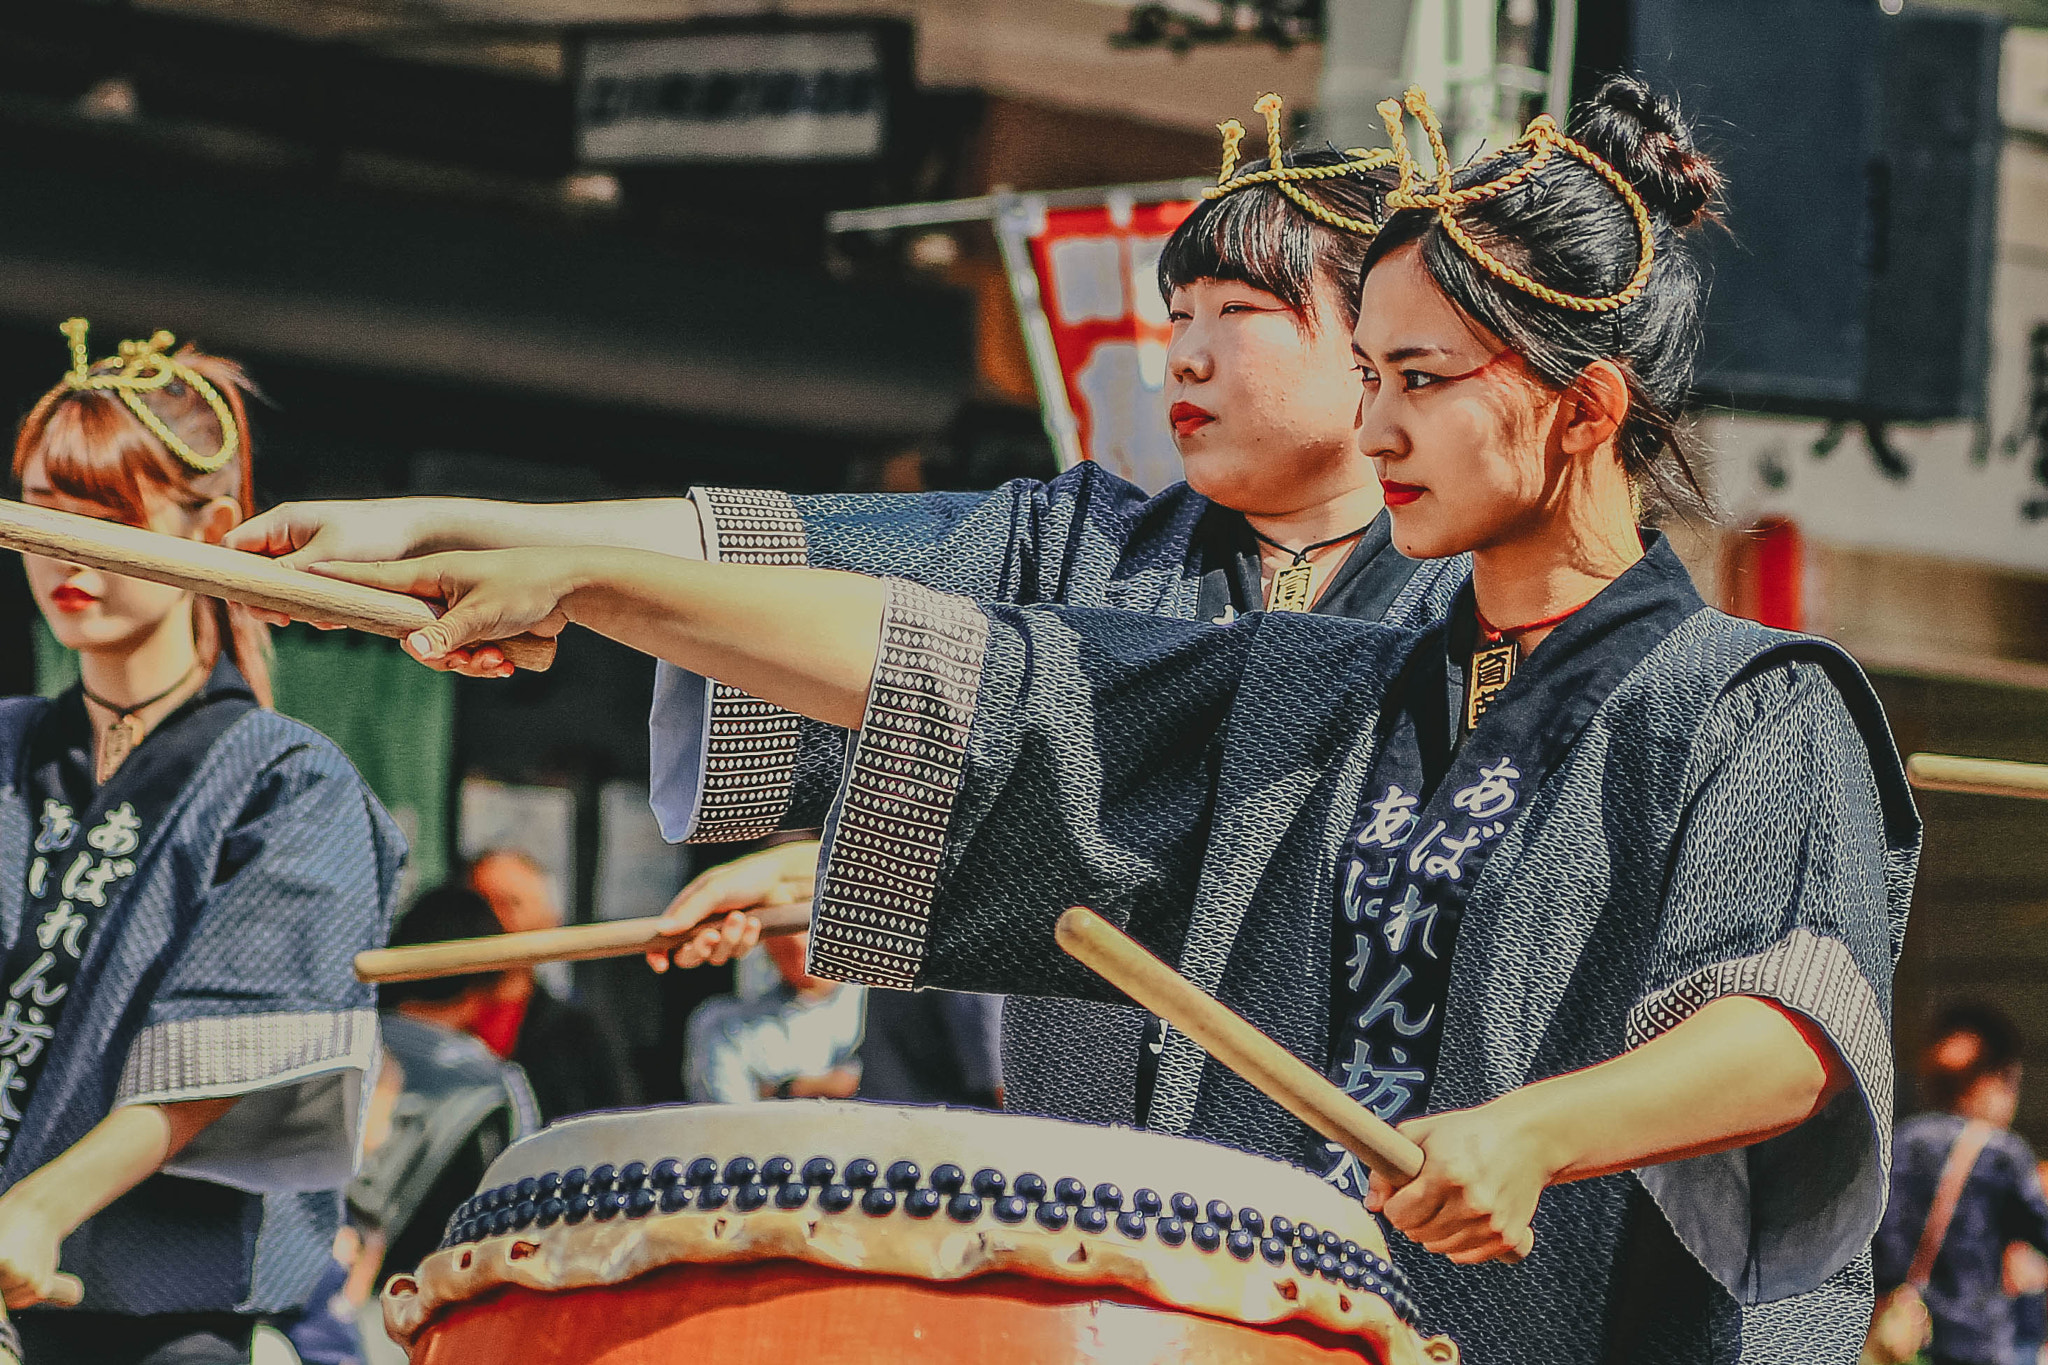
pixel 421 644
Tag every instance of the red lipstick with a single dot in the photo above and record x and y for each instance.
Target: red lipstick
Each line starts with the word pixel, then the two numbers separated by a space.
pixel 1187 418
pixel 71 599
pixel 1400 494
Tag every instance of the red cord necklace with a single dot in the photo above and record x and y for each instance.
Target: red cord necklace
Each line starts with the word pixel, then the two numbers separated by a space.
pixel 1496 653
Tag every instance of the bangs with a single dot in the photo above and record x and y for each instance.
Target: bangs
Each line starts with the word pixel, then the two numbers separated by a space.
pixel 1259 237
pixel 94 450
pixel 1253 237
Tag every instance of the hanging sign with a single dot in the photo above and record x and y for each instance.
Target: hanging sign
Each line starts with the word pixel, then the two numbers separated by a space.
pixel 780 94
pixel 1087 290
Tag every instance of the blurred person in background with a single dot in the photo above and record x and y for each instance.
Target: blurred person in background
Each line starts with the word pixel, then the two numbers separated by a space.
pixel 183 1043
pixel 1970 1076
pixel 454 1104
pixel 569 1058
pixel 799 1038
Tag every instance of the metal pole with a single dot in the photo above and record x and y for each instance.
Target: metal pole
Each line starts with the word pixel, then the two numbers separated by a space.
pixel 1018 218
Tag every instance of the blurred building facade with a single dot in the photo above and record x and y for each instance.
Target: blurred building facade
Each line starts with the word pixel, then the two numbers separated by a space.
pixel 384 211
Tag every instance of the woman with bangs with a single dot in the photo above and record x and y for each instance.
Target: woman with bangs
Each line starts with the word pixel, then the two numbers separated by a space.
pixel 1262 393
pixel 1592 889
pixel 185 877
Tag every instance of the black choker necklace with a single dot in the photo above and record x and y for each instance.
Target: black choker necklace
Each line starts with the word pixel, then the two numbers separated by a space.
pixel 1292 585
pixel 127 731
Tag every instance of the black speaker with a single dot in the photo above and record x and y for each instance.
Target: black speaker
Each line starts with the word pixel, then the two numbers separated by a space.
pixel 1853 277
pixel 1935 196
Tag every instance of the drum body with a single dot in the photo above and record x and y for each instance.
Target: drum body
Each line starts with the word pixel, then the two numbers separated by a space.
pixel 813 1230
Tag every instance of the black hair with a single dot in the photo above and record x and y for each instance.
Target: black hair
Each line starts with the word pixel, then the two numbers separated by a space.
pixel 1944 1079
pixel 1260 237
pixel 448 911
pixel 1566 228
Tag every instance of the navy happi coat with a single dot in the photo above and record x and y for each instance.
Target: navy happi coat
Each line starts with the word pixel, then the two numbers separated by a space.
pixel 726 766
pixel 236 891
pixel 1730 818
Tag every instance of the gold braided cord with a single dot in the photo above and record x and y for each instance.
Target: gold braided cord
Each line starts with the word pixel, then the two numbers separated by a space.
pixel 1284 177
pixel 1542 140
pixel 147 366
pixel 1233 133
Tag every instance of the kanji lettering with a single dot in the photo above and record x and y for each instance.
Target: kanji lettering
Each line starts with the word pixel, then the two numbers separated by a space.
pixel 1410 915
pixel 1393 816
pixel 22 1037
pixel 12 1083
pixel 1361 958
pixel 57 828
pixel 1386 1087
pixel 30 983
pixel 1449 864
pixel 64 925
pixel 1386 1005
pixel 88 879
pixel 1493 794
pixel 118 834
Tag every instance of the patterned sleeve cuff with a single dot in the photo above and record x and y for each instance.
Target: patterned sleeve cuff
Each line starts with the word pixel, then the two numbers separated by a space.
pixel 1803 971
pixel 300 1079
pixel 887 839
pixel 1780 1217
pixel 750 746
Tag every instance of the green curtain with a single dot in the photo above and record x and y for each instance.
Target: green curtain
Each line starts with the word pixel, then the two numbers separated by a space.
pixel 394 719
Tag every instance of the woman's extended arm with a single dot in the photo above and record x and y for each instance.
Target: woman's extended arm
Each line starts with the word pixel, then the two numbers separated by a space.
pixel 122 1150
pixel 805 639
pixel 1738 1072
pixel 303 533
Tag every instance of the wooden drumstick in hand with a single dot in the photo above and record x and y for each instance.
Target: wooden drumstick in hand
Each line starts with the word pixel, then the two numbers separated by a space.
pixel 1978 776
pixel 1232 1040
pixel 235 575
pixel 530 948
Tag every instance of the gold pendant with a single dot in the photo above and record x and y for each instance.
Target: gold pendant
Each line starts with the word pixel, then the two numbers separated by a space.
pixel 119 741
pixel 1493 666
pixel 1293 587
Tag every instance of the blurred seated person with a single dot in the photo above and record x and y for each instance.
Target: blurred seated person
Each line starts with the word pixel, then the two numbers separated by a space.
pixel 453 1105
pixel 568 1056
pixel 1970 1075
pixel 933 1047
pixel 799 1037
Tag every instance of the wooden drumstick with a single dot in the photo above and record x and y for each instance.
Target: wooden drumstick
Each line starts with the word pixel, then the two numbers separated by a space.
pixel 531 947
pixel 1979 776
pixel 1232 1040
pixel 236 575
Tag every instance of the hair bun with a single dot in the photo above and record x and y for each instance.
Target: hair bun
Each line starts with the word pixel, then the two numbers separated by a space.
pixel 1643 135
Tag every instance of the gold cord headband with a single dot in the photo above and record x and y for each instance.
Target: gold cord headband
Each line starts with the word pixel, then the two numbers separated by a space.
pixel 1281 176
pixel 1542 139
pixel 147 366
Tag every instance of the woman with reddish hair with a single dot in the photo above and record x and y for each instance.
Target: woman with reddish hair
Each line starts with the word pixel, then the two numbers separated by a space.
pixel 185 876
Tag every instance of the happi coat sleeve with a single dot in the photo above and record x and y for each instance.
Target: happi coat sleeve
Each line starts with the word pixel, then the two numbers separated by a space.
pixel 260 999
pixel 1789 883
pixel 726 766
pixel 1014 761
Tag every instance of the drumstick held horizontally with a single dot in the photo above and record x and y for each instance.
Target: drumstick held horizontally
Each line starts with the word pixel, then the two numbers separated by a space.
pixel 235 575
pixel 1979 776
pixel 1232 1040
pixel 531 947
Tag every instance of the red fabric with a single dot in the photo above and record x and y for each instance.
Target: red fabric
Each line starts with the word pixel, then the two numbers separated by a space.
pixel 1817 1041
pixel 498 1025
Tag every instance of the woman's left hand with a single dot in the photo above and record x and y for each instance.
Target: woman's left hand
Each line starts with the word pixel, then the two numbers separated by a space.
pixel 1482 1172
pixel 488 595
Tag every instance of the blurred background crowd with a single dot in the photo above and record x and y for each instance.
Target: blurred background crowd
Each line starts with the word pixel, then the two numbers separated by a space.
pixel 569 249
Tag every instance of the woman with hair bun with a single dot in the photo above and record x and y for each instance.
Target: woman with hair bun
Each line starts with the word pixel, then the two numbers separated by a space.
pixel 185 877
pixel 1594 890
